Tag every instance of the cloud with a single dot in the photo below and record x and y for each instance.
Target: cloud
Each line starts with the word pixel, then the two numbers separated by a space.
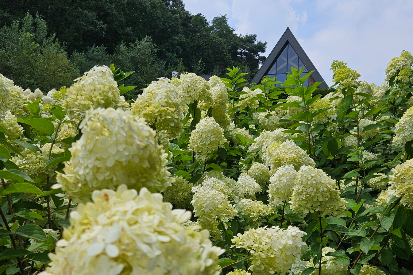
pixel 366 34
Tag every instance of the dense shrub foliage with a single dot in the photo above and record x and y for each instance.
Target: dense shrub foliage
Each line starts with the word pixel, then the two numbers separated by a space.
pixel 208 177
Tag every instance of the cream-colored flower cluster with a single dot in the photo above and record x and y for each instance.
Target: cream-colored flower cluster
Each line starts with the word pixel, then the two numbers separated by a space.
pixel 254 209
pixel 378 182
pixel 33 96
pixel 96 88
pixel 248 98
pixel 207 137
pixel 399 67
pixel 10 125
pixel 212 207
pixel 327 116
pixel 31 162
pixel 404 129
pixel 402 182
pixel 328 267
pixel 11 98
pixel 179 194
pixel 370 270
pixel 260 173
pixel 161 107
pixel 346 77
pixel 386 195
pixel 366 133
pixel 282 185
pixel 238 272
pixel 245 187
pixel 265 139
pixel 287 153
pixel 233 132
pixel 274 250
pixel 314 192
pixel 193 88
pixel 269 121
pixel 219 95
pixel 115 148
pixel 292 111
pixel 123 232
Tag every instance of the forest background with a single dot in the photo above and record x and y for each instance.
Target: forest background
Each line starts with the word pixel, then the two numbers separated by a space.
pixel 46 44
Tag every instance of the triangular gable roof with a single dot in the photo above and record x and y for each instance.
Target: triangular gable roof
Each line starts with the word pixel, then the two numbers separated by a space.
pixel 286 38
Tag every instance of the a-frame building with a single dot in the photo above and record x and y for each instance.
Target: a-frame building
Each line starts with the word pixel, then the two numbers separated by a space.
pixel 286 54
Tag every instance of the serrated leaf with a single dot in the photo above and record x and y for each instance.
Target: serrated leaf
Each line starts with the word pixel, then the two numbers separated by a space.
pixel 124 89
pixel 400 218
pixel 26 188
pixel 344 260
pixel 386 256
pixel 333 146
pixel 308 271
pixel 58 112
pixel 4 174
pixel 34 107
pixel 21 174
pixel 32 231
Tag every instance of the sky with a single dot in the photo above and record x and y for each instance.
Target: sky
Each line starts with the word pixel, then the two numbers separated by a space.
pixel 366 34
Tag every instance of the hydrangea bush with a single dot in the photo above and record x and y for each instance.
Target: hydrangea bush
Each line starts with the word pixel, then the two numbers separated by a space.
pixel 208 177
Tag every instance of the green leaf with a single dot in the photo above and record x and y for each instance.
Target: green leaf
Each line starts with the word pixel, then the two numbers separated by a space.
pixel 58 160
pixel 4 174
pixel 333 146
pixel 223 262
pixel 222 153
pixel 365 245
pixel 27 145
pixel 124 89
pixel 386 256
pixel 32 231
pixel 2 130
pixel 34 107
pixel 41 257
pixel 344 260
pixel 353 114
pixel 43 125
pixel 58 112
pixel 387 220
pixel 371 127
pixel 4 152
pixel 214 166
pixel 26 188
pixel 308 271
pixel 408 147
pixel 400 218
pixel 13 253
pixel 21 174
pixel 338 221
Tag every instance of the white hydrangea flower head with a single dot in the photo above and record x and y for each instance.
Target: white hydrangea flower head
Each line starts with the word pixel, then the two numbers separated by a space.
pixel 161 107
pixel 292 111
pixel 326 116
pixel 260 172
pixel 269 121
pixel 363 88
pixel 402 182
pixel 314 192
pixel 366 134
pixel 386 195
pixel 207 137
pixel 96 88
pixel 366 156
pixel 239 272
pixel 193 88
pixel 397 64
pixel 226 184
pixel 5 86
pixel 211 207
pixel 282 184
pixel 115 148
pixel 370 270
pixel 179 194
pixel 246 187
pixel 31 162
pixel 254 209
pixel 10 125
pixel 378 182
pixel 248 98
pixel 219 95
pixel 11 98
pixel 287 153
pixel 123 232
pixel 67 129
pixel 404 129
pixel 328 267
pixel 274 250
pixel 350 141
pixel 234 131
pixel 266 138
